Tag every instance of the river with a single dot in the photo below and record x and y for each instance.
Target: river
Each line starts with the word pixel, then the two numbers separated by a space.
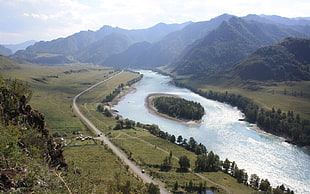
pixel 221 131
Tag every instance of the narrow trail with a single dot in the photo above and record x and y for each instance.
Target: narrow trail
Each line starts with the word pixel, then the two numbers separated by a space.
pixel 134 168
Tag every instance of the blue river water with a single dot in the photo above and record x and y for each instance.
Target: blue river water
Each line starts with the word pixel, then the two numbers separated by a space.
pixel 221 131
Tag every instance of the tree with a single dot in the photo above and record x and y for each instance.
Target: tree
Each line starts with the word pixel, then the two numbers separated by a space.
pixel 200 162
pixel 152 189
pixel 213 162
pixel 192 144
pixel 264 185
pixel 172 139
pixel 200 149
pixel 241 176
pixel 207 163
pixel 176 186
pixel 184 163
pixel 226 165
pixel 233 168
pixel 180 139
pixel 254 181
pixel 167 163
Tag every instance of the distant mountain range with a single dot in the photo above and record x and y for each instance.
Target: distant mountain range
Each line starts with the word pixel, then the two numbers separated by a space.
pixel 193 48
pixel 83 46
pixel 9 49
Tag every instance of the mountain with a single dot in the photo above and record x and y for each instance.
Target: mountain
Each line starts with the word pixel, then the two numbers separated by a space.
pixel 20 46
pixel 78 43
pixel 98 51
pixel 274 19
pixel 6 64
pixel 133 57
pixel 170 45
pixel 288 60
pixel 300 24
pixel 167 50
pixel 231 42
pixel 5 51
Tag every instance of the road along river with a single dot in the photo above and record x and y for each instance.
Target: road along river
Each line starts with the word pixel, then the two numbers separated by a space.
pixel 220 131
pixel 135 169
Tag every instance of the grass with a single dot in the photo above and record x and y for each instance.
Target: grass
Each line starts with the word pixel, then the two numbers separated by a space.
pixel 149 152
pixel 93 168
pixel 54 91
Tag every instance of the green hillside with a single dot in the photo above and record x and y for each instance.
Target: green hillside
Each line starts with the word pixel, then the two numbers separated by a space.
pixel 288 60
pixel 231 42
pixel 6 64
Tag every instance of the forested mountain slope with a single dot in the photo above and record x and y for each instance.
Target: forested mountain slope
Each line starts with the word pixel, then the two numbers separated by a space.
pixel 228 44
pixel 288 60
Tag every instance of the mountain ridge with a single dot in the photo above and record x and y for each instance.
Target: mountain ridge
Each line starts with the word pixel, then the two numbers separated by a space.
pixel 168 43
pixel 229 43
pixel 287 60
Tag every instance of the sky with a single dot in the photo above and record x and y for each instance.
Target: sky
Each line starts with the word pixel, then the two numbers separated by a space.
pixel 23 20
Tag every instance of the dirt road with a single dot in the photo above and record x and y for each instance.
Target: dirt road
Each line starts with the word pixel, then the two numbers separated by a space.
pixel 134 168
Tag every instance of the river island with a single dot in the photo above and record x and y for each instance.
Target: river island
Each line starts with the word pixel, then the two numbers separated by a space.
pixel 175 108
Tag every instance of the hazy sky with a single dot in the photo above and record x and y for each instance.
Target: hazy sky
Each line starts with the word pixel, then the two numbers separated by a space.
pixel 22 20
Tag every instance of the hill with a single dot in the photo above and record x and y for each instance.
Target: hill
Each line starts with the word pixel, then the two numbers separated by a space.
pixel 5 51
pixel 231 42
pixel 287 60
pixel 6 64
pixel 20 46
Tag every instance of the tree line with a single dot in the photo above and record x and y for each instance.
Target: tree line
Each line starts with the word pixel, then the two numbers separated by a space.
pixel 119 88
pixel 294 128
pixel 178 107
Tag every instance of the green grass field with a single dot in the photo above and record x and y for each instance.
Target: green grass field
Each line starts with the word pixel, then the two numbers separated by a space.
pixel 149 152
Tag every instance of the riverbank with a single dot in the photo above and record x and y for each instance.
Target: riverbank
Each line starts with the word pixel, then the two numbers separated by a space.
pixel 152 109
pixel 281 136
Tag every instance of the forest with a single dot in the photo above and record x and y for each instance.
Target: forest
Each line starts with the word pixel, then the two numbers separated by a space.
pixel 178 108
